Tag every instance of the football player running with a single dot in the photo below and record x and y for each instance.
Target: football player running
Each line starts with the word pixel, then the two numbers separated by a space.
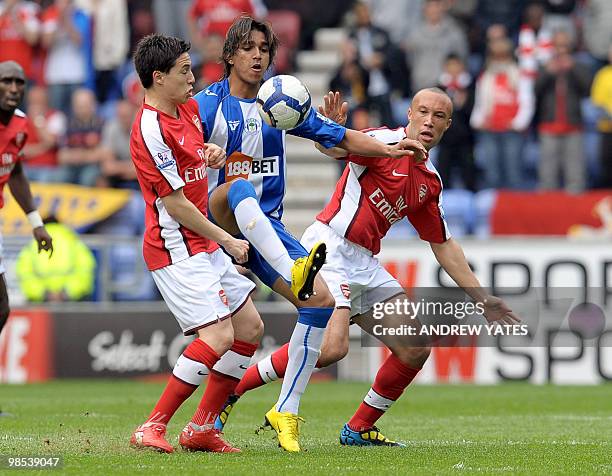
pixel 246 199
pixel 372 194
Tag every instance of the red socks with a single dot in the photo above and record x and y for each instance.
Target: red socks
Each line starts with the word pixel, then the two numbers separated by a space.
pixel 177 390
pixel 222 382
pixel 391 380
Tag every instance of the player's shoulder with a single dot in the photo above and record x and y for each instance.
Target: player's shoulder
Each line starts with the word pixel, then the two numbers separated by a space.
pixel 213 94
pixel 20 119
pixel 386 135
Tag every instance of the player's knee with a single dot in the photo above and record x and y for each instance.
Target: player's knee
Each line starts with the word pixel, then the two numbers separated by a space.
pixel 255 332
pixel 413 356
pixel 331 354
pixel 322 299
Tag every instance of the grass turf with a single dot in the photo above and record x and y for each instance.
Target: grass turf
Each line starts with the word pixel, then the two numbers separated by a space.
pixel 512 429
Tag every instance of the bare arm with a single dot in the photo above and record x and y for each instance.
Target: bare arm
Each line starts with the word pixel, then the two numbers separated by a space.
pixel 20 188
pixel 359 143
pixel 188 215
pixel 450 256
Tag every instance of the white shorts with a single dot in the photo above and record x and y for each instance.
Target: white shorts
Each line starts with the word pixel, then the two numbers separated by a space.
pixel 355 278
pixel 202 289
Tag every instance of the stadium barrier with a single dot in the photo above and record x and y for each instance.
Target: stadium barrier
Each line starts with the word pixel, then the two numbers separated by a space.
pixel 141 338
pixel 113 340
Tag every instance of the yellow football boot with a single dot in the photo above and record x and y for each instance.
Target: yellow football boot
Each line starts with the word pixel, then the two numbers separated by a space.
pixel 305 269
pixel 286 426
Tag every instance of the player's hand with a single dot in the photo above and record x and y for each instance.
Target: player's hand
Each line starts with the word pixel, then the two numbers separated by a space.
pixel 409 147
pixel 495 309
pixel 44 240
pixel 334 108
pixel 239 249
pixel 214 156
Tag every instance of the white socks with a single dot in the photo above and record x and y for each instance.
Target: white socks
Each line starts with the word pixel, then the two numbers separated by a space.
pixel 258 230
pixel 304 350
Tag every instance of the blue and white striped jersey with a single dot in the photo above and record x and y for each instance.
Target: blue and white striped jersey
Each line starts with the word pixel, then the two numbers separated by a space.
pixel 254 150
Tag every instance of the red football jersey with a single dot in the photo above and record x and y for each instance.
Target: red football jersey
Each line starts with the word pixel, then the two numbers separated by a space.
pixel 169 154
pixel 375 192
pixel 13 137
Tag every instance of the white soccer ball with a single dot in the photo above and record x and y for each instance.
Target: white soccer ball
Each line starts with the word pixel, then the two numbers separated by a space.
pixel 283 102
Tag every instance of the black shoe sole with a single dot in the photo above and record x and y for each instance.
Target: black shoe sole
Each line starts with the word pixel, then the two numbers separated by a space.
pixel 317 263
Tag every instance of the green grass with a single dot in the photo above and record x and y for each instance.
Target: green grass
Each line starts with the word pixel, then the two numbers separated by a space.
pixel 449 430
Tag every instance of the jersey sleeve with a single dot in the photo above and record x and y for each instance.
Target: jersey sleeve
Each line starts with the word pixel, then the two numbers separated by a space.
pixel 155 160
pixel 320 129
pixel 429 221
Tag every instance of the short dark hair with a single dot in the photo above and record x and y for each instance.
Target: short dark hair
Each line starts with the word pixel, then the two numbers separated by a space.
pixel 157 53
pixel 239 33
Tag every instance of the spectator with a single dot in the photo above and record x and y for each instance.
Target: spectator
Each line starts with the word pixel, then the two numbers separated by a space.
pixel 68 274
pixel 597 28
pixel 601 96
pixel 118 167
pixel 67 38
pixel 208 22
pixel 396 17
pixel 82 151
pixel 19 32
pixel 430 43
pixel 505 12
pixel 456 149
pixel 351 80
pixel 171 17
pixel 373 45
pixel 534 44
pixel 503 108
pixel 560 87
pixel 46 127
pixel 109 50
pixel 559 16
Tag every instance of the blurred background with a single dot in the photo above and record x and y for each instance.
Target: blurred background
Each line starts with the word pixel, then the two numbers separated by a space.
pixel 527 166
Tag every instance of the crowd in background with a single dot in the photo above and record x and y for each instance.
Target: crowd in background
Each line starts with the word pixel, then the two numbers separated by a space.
pixel 530 81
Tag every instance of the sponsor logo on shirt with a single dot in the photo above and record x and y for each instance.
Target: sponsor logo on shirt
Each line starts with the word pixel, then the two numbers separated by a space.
pixel 390 212
pixel 239 165
pixel 195 174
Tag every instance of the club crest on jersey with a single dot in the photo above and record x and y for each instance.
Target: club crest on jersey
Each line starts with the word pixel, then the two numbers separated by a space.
pixel 19 139
pixel 422 192
pixel 196 121
pixel 223 296
pixel 346 290
pixel 251 125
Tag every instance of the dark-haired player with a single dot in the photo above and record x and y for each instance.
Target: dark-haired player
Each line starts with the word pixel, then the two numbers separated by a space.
pixel 13 136
pixel 247 196
pixel 181 248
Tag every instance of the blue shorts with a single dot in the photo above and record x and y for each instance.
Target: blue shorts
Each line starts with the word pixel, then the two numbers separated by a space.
pixel 258 265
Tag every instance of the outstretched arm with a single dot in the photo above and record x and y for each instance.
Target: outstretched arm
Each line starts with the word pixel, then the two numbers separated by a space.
pixel 20 188
pixel 450 256
pixel 356 142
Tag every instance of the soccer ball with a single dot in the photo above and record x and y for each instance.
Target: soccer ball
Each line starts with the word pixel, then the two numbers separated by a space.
pixel 283 102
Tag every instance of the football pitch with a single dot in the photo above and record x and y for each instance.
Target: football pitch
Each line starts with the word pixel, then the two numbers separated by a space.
pixel 511 429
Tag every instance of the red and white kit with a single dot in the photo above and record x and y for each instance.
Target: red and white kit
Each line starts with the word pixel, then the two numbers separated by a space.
pixel 194 276
pixel 373 194
pixel 13 137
